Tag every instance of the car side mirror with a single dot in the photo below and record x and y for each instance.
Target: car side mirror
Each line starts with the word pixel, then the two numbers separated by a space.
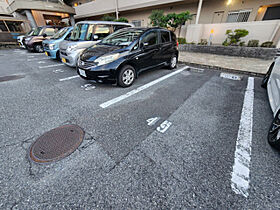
pixel 95 37
pixel 44 35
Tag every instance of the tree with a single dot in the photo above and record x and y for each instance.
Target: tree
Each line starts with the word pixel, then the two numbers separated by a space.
pixel 234 38
pixel 122 19
pixel 157 18
pixel 108 18
pixel 175 21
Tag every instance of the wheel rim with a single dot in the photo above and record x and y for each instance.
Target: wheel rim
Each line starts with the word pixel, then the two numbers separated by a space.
pixel 274 131
pixel 39 48
pixel 173 62
pixel 128 76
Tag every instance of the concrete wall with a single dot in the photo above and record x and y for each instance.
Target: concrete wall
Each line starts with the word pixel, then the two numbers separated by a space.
pixel 259 30
pixel 3 7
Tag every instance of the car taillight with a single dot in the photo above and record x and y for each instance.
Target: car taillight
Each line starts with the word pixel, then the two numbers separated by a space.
pixel 177 44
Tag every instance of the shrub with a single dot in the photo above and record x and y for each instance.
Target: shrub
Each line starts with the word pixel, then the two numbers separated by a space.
pixel 203 42
pixel 108 18
pixel 268 44
pixel 182 41
pixel 234 38
pixel 253 43
pixel 122 19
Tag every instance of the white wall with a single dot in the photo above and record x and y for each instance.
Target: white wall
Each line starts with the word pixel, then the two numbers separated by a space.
pixel 259 30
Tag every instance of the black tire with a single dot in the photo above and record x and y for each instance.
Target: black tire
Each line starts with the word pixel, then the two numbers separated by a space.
pixel 173 62
pixel 39 48
pixel 273 137
pixel 126 76
pixel 58 56
pixel 266 77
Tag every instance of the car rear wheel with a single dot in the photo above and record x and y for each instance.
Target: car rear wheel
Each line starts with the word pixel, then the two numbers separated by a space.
pixel 126 76
pixel 274 132
pixel 173 62
pixel 39 48
pixel 266 77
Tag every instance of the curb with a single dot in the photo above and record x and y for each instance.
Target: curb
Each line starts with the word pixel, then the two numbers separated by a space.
pixel 197 65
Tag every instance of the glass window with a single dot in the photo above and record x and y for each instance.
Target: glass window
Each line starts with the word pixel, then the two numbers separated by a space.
pixel 118 27
pixel 173 37
pixel 50 31
pixel 90 33
pixel 102 31
pixel 14 26
pixel 165 37
pixel 136 23
pixel 150 39
pixel 37 31
pixel 238 16
pixel 60 33
pixel 122 37
pixel 3 26
pixel 79 32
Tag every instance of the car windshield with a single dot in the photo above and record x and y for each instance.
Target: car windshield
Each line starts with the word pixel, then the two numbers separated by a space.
pixel 79 32
pixel 30 32
pixel 37 31
pixel 122 37
pixel 60 33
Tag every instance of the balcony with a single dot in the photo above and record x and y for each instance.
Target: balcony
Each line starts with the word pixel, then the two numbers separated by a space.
pixel 44 5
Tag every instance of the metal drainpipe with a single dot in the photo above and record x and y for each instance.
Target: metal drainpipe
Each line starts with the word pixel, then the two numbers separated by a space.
pixel 117 9
pixel 198 11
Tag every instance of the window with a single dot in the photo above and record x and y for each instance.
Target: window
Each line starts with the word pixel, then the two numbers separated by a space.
pixel 165 37
pixel 90 32
pixel 173 37
pixel 272 13
pixel 118 27
pixel 150 39
pixel 102 31
pixel 3 26
pixel 14 26
pixel 238 16
pixel 50 31
pixel 136 23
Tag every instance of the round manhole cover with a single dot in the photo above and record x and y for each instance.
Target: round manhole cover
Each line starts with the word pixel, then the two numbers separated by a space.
pixel 56 143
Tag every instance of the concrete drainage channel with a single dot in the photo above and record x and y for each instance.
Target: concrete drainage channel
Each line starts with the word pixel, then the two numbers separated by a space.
pixel 56 144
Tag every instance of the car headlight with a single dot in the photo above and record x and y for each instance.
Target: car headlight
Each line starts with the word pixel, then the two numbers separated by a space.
pixel 52 46
pixel 107 59
pixel 71 47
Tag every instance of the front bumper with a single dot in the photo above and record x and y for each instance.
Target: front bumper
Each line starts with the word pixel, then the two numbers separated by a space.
pixel 52 53
pixel 20 43
pixel 70 58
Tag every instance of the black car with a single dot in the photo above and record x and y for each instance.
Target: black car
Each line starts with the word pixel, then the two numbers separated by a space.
pixel 34 42
pixel 121 56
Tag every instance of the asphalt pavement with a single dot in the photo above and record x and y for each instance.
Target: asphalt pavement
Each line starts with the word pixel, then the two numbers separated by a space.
pixel 171 140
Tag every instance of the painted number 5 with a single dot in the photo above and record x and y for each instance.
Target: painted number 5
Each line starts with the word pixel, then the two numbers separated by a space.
pixel 164 126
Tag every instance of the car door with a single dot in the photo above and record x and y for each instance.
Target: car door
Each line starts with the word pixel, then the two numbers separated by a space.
pixel 149 49
pixel 165 46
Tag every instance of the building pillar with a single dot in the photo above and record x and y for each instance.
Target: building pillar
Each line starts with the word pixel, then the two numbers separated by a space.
pixel 72 20
pixel 198 11
pixel 30 18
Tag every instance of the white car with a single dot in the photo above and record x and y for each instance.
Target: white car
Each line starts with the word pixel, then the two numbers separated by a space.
pixel 271 81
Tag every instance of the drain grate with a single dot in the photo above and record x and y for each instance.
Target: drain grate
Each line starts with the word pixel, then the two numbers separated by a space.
pixel 56 144
pixel 11 77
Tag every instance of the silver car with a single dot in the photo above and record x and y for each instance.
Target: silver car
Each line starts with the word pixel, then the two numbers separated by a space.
pixel 271 81
pixel 85 34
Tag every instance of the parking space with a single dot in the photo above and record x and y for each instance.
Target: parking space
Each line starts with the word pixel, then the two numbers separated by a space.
pixel 174 139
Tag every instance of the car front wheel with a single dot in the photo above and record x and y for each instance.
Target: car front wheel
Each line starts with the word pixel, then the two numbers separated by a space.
pixel 173 62
pixel 126 76
pixel 274 132
pixel 39 48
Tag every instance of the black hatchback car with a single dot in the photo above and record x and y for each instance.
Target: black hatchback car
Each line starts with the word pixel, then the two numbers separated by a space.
pixel 121 56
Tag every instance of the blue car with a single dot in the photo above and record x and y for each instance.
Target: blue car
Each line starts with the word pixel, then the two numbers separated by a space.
pixel 51 46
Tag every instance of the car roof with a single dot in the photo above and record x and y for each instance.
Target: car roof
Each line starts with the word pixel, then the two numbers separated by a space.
pixel 144 29
pixel 106 23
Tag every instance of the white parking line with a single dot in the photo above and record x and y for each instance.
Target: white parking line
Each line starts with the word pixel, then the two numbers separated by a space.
pixel 68 78
pixel 241 168
pixel 37 59
pixel 137 90
pixel 49 66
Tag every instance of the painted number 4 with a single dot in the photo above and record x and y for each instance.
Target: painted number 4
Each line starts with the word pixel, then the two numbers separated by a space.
pixel 164 126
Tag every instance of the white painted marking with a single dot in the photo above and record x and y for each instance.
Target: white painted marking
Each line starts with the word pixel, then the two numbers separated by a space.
pixel 36 59
pixel 31 56
pixel 88 86
pixel 58 71
pixel 230 76
pixel 152 121
pixel 40 62
pixel 50 66
pixel 241 168
pixel 199 70
pixel 137 90
pixel 164 126
pixel 68 78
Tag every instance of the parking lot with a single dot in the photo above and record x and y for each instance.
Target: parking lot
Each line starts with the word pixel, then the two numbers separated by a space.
pixel 171 140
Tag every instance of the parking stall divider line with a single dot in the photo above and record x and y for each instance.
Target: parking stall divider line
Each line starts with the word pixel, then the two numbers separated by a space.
pixel 68 78
pixel 240 176
pixel 37 59
pixel 139 89
pixel 49 66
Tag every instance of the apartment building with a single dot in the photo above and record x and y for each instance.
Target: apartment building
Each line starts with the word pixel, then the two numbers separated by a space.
pixel 41 12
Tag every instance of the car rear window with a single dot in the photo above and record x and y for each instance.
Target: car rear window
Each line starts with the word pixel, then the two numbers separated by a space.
pixel 165 37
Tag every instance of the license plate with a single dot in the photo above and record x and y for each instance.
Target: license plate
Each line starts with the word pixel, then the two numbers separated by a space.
pixel 82 73
pixel 46 54
pixel 63 60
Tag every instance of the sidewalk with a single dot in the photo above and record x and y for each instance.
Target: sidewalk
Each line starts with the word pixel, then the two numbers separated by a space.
pixel 231 63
